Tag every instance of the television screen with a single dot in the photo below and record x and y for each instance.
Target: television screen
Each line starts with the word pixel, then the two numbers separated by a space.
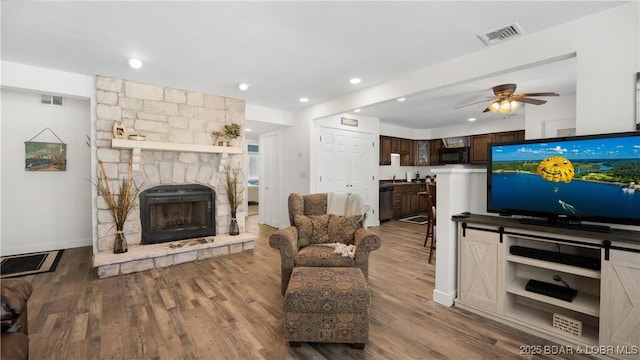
pixel 594 178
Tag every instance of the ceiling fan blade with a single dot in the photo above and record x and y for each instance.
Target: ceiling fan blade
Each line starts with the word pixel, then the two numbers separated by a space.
pixel 477 102
pixel 486 110
pixel 540 94
pixel 530 101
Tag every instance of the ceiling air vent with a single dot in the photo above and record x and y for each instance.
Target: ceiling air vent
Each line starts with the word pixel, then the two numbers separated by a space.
pixel 502 34
pixel 51 100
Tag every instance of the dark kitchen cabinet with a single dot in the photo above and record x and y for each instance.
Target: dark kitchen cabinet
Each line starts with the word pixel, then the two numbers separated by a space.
pixel 395 145
pixel 421 152
pixel 405 146
pixel 517 135
pixel 407 200
pixel 478 148
pixel 434 151
pixel 479 144
pixel 385 150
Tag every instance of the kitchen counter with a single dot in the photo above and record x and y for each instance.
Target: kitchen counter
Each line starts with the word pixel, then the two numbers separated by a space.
pixel 384 183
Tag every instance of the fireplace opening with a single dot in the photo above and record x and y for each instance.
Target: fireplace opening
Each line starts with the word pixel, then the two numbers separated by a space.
pixel 176 212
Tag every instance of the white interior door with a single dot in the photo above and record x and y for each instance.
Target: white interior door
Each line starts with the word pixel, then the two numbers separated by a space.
pixel 361 172
pixel 347 163
pixel 333 168
pixel 269 180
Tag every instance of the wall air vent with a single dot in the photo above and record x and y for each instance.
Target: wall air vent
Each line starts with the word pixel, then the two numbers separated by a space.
pixel 502 34
pixel 51 100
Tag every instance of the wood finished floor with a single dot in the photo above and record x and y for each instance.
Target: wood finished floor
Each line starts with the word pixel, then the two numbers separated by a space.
pixel 231 308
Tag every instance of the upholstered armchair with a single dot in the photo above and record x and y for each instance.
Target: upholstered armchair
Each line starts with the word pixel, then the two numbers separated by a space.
pixel 304 242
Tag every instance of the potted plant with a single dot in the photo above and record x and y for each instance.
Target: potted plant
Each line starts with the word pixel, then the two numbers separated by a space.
pixel 120 205
pixel 234 196
pixel 231 132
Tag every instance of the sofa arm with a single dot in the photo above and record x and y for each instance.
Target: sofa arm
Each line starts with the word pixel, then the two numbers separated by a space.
pixel 365 241
pixel 15 294
pixel 15 346
pixel 286 241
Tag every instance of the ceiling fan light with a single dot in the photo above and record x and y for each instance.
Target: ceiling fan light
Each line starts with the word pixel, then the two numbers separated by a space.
pixel 494 106
pixel 505 107
pixel 515 105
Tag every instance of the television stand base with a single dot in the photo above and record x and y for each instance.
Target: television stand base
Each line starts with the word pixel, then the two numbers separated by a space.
pixel 566 225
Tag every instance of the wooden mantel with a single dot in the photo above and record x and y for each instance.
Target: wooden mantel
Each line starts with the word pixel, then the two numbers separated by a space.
pixel 137 146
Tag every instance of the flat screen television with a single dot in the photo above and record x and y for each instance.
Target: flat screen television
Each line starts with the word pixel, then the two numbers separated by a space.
pixel 565 181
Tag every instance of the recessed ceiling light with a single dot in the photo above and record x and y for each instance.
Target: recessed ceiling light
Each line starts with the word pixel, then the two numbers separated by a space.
pixel 304 99
pixel 472 119
pixel 247 129
pixel 356 110
pixel 243 86
pixel 401 99
pixel 135 63
pixel 355 81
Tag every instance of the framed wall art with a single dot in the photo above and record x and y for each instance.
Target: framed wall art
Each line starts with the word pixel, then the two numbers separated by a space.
pixel 45 156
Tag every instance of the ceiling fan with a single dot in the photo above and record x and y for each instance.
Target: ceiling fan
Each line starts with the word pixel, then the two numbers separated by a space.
pixel 505 99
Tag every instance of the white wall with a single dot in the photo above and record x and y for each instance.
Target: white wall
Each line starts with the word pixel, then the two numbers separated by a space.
pixel 606 66
pixel 545 121
pixel 27 78
pixel 44 210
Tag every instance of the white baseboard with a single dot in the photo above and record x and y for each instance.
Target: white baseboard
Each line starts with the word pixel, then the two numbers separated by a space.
pixel 30 248
pixel 445 299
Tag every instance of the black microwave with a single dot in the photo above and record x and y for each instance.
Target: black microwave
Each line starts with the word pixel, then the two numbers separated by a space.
pixel 458 155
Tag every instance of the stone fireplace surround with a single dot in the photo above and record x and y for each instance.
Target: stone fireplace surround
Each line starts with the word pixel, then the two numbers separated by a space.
pixel 178 150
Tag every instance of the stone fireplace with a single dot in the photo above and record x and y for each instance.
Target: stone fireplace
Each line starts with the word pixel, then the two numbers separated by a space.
pixel 178 153
pixel 177 212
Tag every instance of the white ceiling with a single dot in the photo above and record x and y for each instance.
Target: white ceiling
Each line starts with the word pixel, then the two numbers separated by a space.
pixel 288 50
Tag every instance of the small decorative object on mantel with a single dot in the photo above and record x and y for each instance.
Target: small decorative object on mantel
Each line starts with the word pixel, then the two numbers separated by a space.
pixel 137 137
pixel 119 205
pixel 216 138
pixel 232 132
pixel 234 195
pixel 119 131
pixel 42 156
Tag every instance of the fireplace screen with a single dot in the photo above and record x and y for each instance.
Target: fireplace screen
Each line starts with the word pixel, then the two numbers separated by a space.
pixel 175 212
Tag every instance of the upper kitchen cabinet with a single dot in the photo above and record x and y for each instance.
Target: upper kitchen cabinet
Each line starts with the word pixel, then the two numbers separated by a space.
pixel 434 151
pixel 478 148
pixel 517 135
pixel 478 144
pixel 400 146
pixel 393 145
pixel 406 152
pixel 421 152
pixel 385 150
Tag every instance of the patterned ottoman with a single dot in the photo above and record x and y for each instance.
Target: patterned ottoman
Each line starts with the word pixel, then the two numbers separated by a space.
pixel 327 304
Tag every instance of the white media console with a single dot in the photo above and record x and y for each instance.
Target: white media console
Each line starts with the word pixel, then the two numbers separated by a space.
pixel 604 316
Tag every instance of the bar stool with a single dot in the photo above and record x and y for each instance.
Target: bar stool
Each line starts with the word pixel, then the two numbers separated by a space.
pixel 431 222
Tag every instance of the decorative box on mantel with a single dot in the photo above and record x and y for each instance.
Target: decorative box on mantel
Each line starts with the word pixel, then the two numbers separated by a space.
pixel 137 146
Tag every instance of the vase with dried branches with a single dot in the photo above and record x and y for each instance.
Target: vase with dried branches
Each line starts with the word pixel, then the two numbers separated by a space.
pixel 120 204
pixel 234 196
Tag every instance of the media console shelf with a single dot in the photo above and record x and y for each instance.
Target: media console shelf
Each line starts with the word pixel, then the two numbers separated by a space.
pixel 604 268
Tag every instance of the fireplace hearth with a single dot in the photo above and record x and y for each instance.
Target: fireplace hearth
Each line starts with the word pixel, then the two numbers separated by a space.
pixel 177 212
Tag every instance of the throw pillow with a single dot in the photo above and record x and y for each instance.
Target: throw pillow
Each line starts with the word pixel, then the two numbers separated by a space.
pixel 312 229
pixel 342 228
